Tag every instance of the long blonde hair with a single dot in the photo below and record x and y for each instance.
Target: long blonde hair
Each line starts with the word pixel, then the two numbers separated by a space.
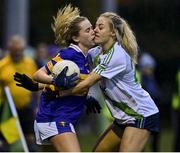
pixel 66 25
pixel 124 34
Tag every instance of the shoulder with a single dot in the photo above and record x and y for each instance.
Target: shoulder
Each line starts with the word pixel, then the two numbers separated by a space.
pixel 93 52
pixel 119 51
pixel 67 53
pixel 118 48
pixel 96 49
pixel 116 56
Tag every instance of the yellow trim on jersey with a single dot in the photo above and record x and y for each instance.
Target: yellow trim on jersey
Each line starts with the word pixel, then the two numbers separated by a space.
pixel 56 59
pixel 50 66
pixel 50 86
pixel 83 76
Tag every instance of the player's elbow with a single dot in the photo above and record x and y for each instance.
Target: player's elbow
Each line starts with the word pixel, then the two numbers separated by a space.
pixel 37 75
pixel 40 75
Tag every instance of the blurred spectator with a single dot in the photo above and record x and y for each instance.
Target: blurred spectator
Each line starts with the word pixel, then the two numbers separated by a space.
pixel 29 51
pixel 41 55
pixel 149 83
pixel 176 113
pixel 15 61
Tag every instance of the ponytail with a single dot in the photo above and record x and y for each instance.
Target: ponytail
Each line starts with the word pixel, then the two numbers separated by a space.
pixel 124 34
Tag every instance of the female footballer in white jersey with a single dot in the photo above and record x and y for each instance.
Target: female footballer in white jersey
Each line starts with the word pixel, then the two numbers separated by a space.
pixel 135 113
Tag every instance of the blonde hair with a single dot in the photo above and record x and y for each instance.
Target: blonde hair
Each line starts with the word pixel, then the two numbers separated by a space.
pixel 66 25
pixel 124 34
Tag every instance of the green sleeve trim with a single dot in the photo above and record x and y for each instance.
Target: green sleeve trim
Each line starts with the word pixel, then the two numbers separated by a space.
pixel 100 69
pixel 108 58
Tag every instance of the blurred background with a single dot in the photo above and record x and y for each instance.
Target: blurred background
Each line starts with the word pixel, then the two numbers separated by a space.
pixel 156 26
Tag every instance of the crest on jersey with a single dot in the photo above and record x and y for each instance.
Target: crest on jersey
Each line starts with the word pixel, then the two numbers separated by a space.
pixel 62 123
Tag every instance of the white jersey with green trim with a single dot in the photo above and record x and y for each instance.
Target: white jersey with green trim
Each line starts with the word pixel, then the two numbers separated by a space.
pixel 125 97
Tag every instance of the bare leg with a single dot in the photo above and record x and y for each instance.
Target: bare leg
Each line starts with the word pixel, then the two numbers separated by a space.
pixel 66 142
pixel 109 141
pixel 134 139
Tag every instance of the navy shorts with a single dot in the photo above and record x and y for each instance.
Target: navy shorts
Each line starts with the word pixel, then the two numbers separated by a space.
pixel 150 123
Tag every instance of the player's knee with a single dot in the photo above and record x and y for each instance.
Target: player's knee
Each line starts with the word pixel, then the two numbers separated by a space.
pixel 125 147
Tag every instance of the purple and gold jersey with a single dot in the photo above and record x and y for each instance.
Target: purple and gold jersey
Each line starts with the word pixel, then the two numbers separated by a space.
pixel 66 109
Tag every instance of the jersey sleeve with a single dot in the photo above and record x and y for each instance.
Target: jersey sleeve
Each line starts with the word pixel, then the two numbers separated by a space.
pixel 64 54
pixel 52 62
pixel 112 64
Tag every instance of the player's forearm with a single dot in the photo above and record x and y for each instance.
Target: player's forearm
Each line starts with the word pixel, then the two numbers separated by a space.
pixel 78 89
pixel 81 87
pixel 86 84
pixel 41 76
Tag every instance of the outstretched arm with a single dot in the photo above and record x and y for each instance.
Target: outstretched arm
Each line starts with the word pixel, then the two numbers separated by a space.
pixel 59 81
pixel 83 86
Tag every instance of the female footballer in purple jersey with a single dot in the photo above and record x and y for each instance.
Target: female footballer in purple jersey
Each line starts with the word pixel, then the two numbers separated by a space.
pixel 135 113
pixel 56 117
